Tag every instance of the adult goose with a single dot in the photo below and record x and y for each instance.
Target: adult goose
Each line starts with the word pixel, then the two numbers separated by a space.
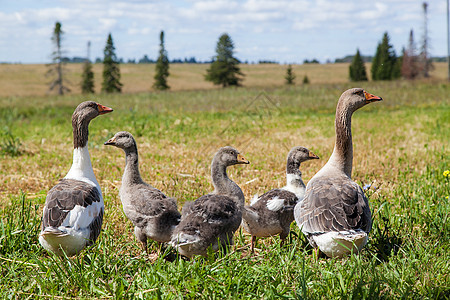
pixel 335 214
pixel 211 220
pixel 73 211
pixel 273 212
pixel 153 214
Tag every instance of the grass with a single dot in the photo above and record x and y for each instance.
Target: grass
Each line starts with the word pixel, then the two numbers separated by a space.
pixel 31 80
pixel 401 149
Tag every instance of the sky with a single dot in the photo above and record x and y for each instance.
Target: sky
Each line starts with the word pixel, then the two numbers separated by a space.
pixel 282 31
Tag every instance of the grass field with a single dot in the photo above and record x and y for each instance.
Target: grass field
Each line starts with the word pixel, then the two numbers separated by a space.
pixel 400 147
pixel 31 80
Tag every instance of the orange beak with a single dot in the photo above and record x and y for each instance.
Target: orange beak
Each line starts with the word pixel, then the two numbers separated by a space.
pixel 371 98
pixel 111 141
pixel 103 109
pixel 241 159
pixel 312 155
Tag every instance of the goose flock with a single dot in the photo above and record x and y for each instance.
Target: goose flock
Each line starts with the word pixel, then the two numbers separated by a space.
pixel 331 210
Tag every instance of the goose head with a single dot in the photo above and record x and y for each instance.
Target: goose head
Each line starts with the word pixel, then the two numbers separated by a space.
pixel 123 140
pixel 83 114
pixel 88 110
pixel 296 156
pixel 356 98
pixel 228 156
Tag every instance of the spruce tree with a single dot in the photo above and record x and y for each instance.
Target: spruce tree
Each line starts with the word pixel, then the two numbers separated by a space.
pixel 384 64
pixel 162 67
pixel 357 68
pixel 111 72
pixel 290 76
pixel 87 81
pixel 224 69
pixel 305 80
pixel 56 68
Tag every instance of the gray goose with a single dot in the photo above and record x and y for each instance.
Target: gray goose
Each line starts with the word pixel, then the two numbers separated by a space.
pixel 153 214
pixel 273 212
pixel 73 211
pixel 335 214
pixel 211 220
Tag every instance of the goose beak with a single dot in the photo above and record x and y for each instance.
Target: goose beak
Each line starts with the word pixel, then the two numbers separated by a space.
pixel 103 109
pixel 313 156
pixel 371 98
pixel 111 141
pixel 241 159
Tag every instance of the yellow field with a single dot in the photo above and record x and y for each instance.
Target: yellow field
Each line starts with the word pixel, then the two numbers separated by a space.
pixel 31 80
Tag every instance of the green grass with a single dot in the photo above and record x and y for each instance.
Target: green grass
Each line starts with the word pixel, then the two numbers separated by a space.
pixel 401 148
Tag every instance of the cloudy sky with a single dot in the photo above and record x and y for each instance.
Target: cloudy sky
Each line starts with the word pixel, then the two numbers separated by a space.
pixel 285 31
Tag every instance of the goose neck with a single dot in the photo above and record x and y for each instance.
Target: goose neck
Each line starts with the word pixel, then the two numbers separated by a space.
pixel 80 127
pixel 342 157
pixel 223 185
pixel 131 174
pixel 81 168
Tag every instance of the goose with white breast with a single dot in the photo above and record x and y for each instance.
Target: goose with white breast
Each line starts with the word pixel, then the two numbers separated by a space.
pixel 73 211
pixel 273 212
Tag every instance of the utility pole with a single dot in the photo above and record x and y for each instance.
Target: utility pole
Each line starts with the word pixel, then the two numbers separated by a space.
pixel 88 57
pixel 448 40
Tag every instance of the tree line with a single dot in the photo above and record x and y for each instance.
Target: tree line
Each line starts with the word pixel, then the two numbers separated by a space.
pixel 224 68
pixel 386 65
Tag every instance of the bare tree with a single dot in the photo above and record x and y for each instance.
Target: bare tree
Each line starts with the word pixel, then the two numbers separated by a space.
pixel 410 67
pixel 56 67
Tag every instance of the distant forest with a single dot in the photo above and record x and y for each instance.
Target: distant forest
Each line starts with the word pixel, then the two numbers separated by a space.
pixel 192 60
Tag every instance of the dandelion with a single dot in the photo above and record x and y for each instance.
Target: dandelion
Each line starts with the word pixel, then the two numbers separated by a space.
pixel 446 173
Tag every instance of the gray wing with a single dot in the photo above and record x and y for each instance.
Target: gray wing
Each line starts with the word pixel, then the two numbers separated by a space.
pixel 290 199
pixel 64 196
pixel 148 202
pixel 209 217
pixel 333 204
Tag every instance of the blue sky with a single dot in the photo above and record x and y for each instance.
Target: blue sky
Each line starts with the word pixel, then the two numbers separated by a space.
pixel 285 31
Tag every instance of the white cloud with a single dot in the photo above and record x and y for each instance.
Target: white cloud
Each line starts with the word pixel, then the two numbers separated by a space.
pixel 192 27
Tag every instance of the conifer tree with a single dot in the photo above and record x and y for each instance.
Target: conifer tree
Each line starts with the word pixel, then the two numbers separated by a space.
pixel 305 79
pixel 384 64
pixel 290 76
pixel 111 72
pixel 56 68
pixel 224 69
pixel 357 68
pixel 162 67
pixel 87 81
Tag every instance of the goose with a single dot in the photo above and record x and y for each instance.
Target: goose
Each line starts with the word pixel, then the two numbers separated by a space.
pixel 153 214
pixel 273 212
pixel 334 214
pixel 73 211
pixel 211 220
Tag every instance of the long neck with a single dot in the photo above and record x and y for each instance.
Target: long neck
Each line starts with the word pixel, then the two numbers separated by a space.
pixel 131 174
pixel 342 157
pixel 80 131
pixel 293 174
pixel 224 185
pixel 81 168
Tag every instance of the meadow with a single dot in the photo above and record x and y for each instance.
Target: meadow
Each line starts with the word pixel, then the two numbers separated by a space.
pixel 401 149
